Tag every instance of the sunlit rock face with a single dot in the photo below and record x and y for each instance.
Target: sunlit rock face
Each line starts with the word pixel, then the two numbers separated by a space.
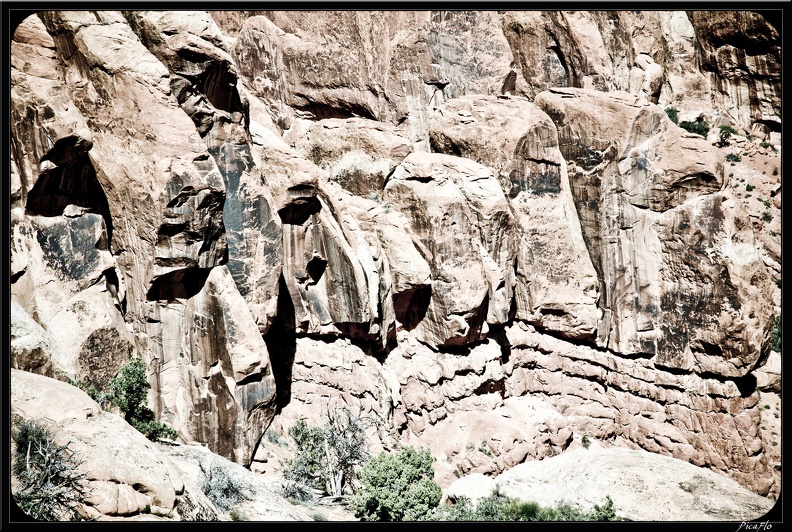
pixel 481 227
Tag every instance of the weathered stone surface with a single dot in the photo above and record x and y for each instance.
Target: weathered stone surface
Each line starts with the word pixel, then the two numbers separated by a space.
pixel 710 67
pixel 556 285
pixel 359 154
pixel 385 65
pixel 623 176
pixel 204 81
pixel 740 53
pixel 32 347
pixel 458 211
pixel 213 381
pixel 185 184
pixel 128 471
pixel 678 491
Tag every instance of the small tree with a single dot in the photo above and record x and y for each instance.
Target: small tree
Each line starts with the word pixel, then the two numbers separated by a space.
pixel 50 486
pixel 397 487
pixel 726 131
pixel 130 389
pixel 129 393
pixel 328 455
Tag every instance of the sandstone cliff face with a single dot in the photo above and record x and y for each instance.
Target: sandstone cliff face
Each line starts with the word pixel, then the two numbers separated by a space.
pixel 482 228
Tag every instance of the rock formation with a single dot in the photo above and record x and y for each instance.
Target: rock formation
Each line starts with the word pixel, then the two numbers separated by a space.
pixel 483 228
pixel 128 476
pixel 673 491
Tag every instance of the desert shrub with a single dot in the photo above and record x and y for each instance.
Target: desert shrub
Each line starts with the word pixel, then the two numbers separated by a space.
pixel 673 114
pixel 775 170
pixel 605 512
pixel 50 486
pixel 224 491
pixel 327 456
pixel 776 339
pixel 733 158
pixel 498 507
pixel 298 492
pixel 749 187
pixel 154 429
pixel 767 217
pixel 271 436
pixel 726 131
pixel 305 468
pixel 130 389
pixel 397 487
pixel 585 441
pixel 129 392
pixel 698 126
pixel 766 144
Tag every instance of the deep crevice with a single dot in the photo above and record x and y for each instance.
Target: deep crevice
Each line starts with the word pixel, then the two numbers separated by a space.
pixel 180 284
pixel 281 340
pixel 299 210
pixel 410 305
pixel 73 182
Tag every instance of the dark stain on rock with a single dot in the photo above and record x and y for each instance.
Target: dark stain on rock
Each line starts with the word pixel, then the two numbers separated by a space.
pixel 180 284
pixel 101 356
pixel 541 183
pixel 71 245
pixel 73 182
pixel 315 269
pixel 491 386
pixel 320 110
pixel 299 210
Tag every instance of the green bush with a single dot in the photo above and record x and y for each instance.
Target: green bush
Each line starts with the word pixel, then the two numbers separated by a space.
pixel 726 131
pixel 766 144
pixel 749 187
pixel 327 456
pixel 130 389
pixel 50 486
pixel 776 342
pixel 698 126
pixel 129 392
pixel 397 487
pixel 733 158
pixel 775 170
pixel 585 441
pixel 673 114
pixel 767 217
pixel 498 507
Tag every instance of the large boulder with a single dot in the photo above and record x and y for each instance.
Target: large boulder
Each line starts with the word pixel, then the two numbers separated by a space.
pixel 643 486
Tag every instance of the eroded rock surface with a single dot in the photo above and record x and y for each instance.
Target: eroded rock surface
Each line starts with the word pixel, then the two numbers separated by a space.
pixel 482 228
